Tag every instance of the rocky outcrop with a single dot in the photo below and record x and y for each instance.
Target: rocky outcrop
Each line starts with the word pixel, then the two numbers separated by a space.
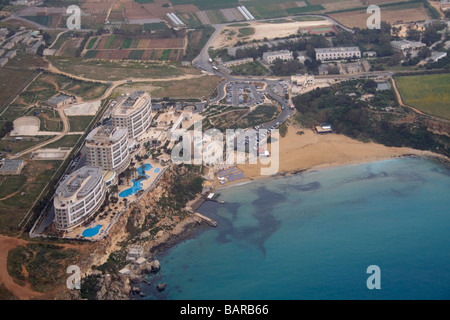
pixel 148 267
pixel 114 288
pixel 160 287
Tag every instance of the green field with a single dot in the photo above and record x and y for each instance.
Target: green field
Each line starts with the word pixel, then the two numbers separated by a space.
pixel 429 93
pixel 126 43
pixel 166 54
pixel 246 31
pixel 252 68
pixel 68 141
pixel 110 71
pixel 136 54
pixel 91 54
pixel 79 123
pixel 110 42
pixel 208 4
pixel 43 20
pixel 154 26
pixel 91 43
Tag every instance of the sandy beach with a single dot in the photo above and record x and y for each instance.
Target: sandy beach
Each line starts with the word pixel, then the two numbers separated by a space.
pixel 311 151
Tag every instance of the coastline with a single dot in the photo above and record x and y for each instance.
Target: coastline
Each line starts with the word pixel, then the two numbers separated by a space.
pixel 310 151
pixel 191 226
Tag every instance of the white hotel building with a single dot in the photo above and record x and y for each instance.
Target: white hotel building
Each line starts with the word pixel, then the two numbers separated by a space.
pixel 107 147
pixel 134 113
pixel 337 53
pixel 78 197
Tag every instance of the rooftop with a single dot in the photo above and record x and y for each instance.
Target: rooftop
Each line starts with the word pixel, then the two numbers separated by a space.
pixel 80 183
pixel 274 53
pixel 132 103
pixel 105 135
pixel 337 49
pixel 11 166
pixel 59 98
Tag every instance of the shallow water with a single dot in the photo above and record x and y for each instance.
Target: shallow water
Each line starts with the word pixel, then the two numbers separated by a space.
pixel 312 236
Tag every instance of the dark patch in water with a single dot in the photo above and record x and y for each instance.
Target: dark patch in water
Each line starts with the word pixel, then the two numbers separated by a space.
pixel 255 235
pixel 443 171
pixel 304 187
pixel 369 176
pixel 397 193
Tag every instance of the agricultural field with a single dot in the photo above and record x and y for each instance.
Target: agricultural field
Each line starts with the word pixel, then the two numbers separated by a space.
pixel 390 12
pixel 428 93
pixel 12 82
pixel 79 123
pixel 194 88
pixel 264 9
pixel 68 141
pixel 18 197
pixel 47 85
pixel 120 70
pixel 208 4
pixel 118 47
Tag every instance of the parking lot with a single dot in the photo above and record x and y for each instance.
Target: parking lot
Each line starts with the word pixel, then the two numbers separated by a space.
pixel 244 94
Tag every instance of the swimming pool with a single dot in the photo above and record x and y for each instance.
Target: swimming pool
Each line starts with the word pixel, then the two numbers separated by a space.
pixel 137 185
pixel 90 232
pixel 145 167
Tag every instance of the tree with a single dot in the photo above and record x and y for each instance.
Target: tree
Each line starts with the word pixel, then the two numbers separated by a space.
pixel 114 189
pixel 40 50
pixel 424 53
pixel 413 34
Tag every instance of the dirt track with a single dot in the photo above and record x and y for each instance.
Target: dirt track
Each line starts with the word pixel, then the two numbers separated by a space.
pixel 23 293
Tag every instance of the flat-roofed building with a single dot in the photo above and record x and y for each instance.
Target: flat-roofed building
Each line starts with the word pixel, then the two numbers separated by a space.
pixel 133 113
pixel 11 167
pixel 238 62
pixel 271 56
pixel 78 197
pixel 60 100
pixel 403 45
pixel 337 53
pixel 107 147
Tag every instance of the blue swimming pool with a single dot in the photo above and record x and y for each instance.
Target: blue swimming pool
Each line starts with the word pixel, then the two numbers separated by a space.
pixel 90 232
pixel 157 170
pixel 145 167
pixel 137 185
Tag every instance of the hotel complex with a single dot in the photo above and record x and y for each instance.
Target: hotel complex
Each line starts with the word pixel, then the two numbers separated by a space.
pixel 337 53
pixel 107 147
pixel 78 197
pixel 134 113
pixel 107 154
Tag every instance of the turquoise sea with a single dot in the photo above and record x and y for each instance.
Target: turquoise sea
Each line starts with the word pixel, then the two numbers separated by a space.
pixel 313 235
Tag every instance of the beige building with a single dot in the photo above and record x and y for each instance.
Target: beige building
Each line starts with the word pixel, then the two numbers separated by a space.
pixel 271 56
pixel 337 53
pixel 107 147
pixel 403 45
pixel 134 113
pixel 237 62
pixel 78 197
